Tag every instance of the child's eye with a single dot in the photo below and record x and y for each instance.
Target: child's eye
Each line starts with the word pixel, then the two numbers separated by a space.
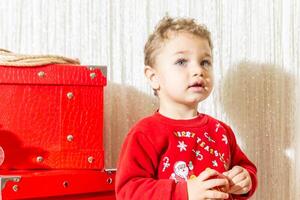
pixel 181 62
pixel 205 63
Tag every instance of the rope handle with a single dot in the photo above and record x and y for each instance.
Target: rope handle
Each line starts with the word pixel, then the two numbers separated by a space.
pixel 8 58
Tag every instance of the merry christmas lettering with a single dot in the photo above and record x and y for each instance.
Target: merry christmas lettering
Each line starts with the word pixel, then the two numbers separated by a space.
pixel 212 151
pixel 203 144
pixel 187 134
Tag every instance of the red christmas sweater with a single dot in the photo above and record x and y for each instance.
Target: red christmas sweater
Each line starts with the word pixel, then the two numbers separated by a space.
pixel 160 154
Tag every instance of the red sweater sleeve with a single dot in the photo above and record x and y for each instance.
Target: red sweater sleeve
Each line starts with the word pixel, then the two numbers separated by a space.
pixel 240 159
pixel 136 174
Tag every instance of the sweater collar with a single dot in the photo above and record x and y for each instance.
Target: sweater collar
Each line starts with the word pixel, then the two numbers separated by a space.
pixel 200 120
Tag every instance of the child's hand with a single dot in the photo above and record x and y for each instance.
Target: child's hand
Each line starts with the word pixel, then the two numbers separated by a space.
pixel 206 185
pixel 240 180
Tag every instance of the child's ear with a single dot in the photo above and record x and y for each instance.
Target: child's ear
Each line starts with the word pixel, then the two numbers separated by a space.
pixel 152 77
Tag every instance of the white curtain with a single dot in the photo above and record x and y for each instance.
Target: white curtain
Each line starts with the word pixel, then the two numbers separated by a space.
pixel 256 66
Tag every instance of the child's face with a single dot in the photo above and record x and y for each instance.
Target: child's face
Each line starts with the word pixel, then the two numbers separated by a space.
pixel 183 70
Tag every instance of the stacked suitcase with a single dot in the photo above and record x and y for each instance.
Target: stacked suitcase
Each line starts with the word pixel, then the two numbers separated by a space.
pixel 51 133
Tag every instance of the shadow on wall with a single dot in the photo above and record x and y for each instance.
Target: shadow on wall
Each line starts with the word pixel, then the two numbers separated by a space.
pixel 123 107
pixel 259 100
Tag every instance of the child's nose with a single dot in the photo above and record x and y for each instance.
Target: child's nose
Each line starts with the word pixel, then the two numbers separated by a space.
pixel 197 70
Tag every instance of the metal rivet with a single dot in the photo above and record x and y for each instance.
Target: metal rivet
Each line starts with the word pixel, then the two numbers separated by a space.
pixel 70 138
pixel 93 75
pixel 70 95
pixel 2 155
pixel 16 180
pixel 109 172
pixel 15 188
pixel 66 184
pixel 109 180
pixel 91 159
pixel 41 74
pixel 39 159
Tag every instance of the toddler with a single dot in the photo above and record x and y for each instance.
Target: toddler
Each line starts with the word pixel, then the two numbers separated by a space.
pixel 179 153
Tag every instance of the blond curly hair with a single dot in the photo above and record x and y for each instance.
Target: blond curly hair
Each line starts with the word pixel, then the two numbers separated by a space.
pixel 161 34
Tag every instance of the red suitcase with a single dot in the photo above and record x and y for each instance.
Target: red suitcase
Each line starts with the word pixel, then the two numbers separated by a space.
pixel 51 133
pixel 57 184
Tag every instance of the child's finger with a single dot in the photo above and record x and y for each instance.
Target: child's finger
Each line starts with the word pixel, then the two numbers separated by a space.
pixel 233 172
pixel 208 173
pixel 239 190
pixel 241 187
pixel 239 178
pixel 214 183
pixel 214 194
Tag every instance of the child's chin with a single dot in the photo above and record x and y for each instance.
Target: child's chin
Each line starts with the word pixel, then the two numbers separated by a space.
pixel 197 99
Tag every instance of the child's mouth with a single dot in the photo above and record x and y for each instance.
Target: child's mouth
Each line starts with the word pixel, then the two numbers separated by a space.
pixel 197 87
